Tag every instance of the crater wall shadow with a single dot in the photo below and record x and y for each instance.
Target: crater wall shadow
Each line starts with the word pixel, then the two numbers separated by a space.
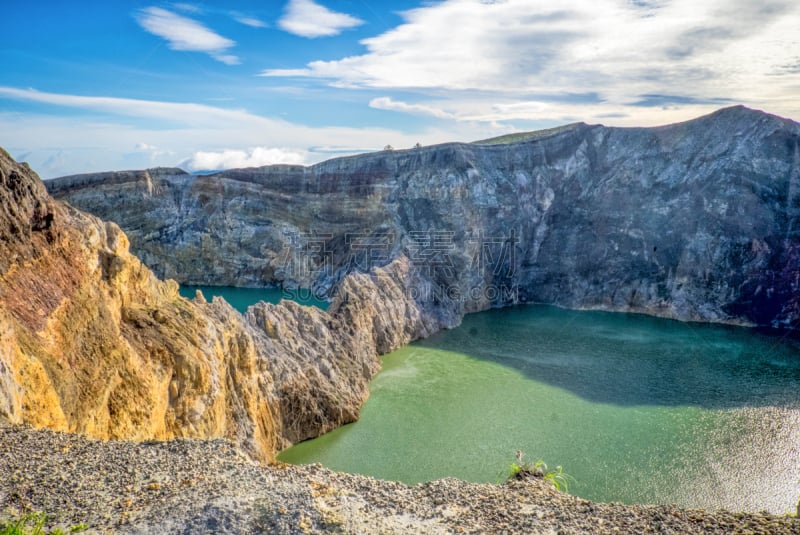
pixel 632 359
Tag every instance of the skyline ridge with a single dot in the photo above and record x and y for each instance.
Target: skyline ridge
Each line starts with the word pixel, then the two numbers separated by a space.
pixel 89 86
pixel 548 132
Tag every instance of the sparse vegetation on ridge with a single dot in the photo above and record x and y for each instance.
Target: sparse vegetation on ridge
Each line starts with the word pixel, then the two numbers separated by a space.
pixel 522 469
pixel 36 524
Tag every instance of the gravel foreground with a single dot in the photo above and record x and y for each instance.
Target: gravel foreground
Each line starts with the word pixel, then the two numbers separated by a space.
pixel 193 486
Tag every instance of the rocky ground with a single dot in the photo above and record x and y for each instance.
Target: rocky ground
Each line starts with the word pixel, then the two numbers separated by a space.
pixel 193 486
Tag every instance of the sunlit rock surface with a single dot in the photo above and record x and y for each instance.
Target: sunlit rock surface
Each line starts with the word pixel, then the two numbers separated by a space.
pixel 92 342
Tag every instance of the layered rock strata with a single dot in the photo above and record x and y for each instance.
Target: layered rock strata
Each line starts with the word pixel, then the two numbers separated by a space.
pixel 92 342
pixel 694 221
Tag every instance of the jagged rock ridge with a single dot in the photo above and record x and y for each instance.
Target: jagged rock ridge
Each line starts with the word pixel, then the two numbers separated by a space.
pixel 694 221
pixel 92 342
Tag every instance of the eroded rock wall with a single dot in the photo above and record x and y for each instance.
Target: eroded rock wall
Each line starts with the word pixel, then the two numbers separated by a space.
pixel 695 221
pixel 92 342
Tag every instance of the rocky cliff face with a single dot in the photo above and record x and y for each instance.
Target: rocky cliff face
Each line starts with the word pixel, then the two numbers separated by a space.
pixel 695 221
pixel 92 342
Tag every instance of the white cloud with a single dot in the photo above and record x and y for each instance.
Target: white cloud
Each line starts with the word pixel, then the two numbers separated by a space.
pixel 520 110
pixel 144 147
pixel 188 8
pixel 181 112
pixel 310 19
pixel 186 34
pixel 232 158
pixel 529 110
pixel 387 103
pixel 227 59
pixel 153 152
pixel 249 21
pixel 578 59
pixel 101 134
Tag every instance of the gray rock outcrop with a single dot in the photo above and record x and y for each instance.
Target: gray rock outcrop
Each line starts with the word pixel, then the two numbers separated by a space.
pixel 694 221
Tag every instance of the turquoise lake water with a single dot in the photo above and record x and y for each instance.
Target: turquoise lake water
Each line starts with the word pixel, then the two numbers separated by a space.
pixel 636 409
pixel 241 298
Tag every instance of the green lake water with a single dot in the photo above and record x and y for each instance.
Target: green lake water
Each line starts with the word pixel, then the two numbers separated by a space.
pixel 241 298
pixel 636 409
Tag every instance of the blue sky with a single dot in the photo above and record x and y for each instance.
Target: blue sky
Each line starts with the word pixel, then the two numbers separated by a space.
pixel 91 86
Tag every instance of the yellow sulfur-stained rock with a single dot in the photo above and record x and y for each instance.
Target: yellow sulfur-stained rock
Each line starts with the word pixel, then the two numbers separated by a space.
pixel 92 342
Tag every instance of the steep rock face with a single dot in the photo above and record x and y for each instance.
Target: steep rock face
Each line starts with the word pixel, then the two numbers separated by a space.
pixel 695 221
pixel 333 354
pixel 92 342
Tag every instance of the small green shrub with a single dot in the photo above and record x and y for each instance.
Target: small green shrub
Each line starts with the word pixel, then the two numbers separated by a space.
pixel 34 524
pixel 522 469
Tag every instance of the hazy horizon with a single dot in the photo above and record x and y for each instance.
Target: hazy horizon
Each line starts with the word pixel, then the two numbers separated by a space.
pixel 91 86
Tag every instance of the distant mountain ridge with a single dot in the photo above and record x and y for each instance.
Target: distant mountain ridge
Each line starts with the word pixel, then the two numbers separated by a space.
pixel 519 137
pixel 92 342
pixel 695 221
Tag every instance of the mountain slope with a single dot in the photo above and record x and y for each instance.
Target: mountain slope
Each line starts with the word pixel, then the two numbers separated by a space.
pixel 694 221
pixel 92 342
